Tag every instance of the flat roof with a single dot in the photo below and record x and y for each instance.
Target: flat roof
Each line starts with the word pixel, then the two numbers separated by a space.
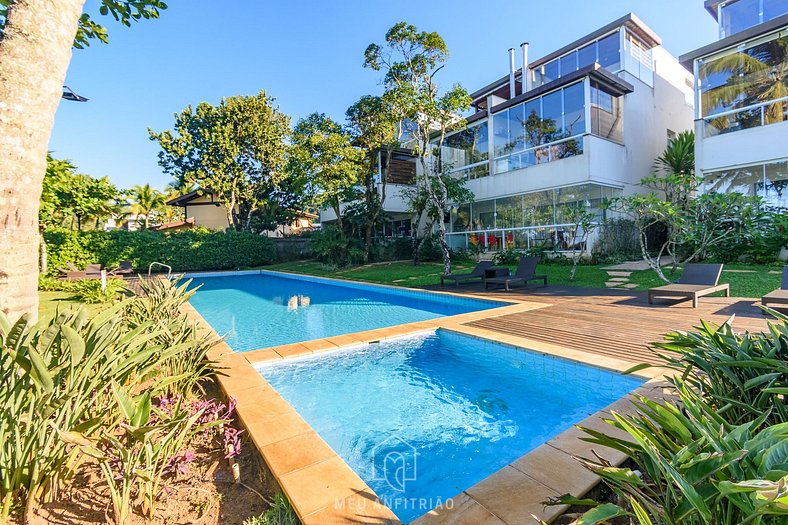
pixel 613 83
pixel 630 20
pixel 734 40
pixel 712 5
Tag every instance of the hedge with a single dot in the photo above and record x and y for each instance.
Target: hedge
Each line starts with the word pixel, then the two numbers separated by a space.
pixel 189 250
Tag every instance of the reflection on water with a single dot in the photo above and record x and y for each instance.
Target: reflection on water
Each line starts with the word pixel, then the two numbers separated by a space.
pixel 298 301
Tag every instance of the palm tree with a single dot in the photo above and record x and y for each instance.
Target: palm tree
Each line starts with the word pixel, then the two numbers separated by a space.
pixel 146 200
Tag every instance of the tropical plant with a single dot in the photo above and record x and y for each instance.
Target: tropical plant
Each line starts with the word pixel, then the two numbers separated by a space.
pixel 146 201
pixel 90 291
pixel 36 38
pixel 280 513
pixel 582 222
pixel 691 466
pixel 236 149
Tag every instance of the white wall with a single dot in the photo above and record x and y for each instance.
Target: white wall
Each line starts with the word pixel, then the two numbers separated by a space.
pixel 739 148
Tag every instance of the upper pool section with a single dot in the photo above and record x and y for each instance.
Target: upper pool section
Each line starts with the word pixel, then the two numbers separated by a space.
pixel 263 309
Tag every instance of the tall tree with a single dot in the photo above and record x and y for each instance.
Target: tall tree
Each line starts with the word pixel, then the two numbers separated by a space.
pixel 411 59
pixel 236 150
pixel 145 201
pixel 36 37
pixel 376 125
pixel 324 155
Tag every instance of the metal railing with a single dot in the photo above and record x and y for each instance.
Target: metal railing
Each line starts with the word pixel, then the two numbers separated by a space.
pixel 733 123
pixel 156 263
pixel 542 154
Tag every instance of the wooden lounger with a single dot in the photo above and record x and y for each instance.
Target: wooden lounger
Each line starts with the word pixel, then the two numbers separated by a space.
pixel 696 281
pixel 526 271
pixel 477 273
pixel 779 297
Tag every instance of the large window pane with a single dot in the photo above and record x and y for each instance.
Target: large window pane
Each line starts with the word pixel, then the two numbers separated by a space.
pixel 501 132
pixel 738 16
pixel 776 191
pixel 461 218
pixel 746 181
pixel 607 119
pixel 744 78
pixel 574 110
pixel 509 212
pixel 569 63
pixel 465 147
pixel 550 71
pixel 483 214
pixel 586 55
pixel 552 117
pixel 538 208
pixel 774 8
pixel 532 114
pixel 609 52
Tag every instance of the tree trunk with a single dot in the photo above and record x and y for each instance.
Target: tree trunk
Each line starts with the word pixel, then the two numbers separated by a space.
pixel 34 54
pixel 43 260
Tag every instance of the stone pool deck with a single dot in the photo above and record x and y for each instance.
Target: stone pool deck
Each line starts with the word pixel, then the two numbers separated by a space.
pixel 605 328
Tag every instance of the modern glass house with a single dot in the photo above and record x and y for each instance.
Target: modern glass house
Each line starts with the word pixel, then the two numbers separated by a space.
pixel 741 119
pixel 581 124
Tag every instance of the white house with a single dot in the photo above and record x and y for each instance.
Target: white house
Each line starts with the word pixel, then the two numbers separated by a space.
pixel 741 100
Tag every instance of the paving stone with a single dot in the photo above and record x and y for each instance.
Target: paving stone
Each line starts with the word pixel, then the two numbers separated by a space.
pixel 619 279
pixel 629 286
pixel 611 284
pixel 614 273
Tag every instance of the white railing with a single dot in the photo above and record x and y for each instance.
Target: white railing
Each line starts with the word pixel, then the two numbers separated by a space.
pixel 760 120
pixel 156 263
pixel 543 153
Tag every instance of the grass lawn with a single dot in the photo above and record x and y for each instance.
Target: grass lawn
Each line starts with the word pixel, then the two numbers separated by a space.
pixel 49 302
pixel 746 281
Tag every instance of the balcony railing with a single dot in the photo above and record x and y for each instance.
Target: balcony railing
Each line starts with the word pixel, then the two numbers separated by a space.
pixel 542 154
pixel 753 116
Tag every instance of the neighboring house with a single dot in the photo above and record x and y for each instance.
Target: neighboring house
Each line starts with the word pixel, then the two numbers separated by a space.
pixel 176 226
pixel 741 100
pixel 202 208
pixel 583 123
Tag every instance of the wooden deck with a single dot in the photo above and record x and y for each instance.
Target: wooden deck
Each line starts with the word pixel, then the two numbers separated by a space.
pixel 613 323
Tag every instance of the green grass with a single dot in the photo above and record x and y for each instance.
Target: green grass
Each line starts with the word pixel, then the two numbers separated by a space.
pixel 755 282
pixel 49 302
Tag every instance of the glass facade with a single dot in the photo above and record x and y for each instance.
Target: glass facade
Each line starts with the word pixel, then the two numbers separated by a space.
pixel 467 151
pixel 606 52
pixel 769 181
pixel 523 221
pixel 540 130
pixel 738 15
pixel 607 115
pixel 746 87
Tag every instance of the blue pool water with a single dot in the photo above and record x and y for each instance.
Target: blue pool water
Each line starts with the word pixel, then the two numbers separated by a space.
pixel 266 309
pixel 423 418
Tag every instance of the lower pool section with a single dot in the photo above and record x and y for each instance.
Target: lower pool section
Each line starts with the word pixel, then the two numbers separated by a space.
pixel 425 417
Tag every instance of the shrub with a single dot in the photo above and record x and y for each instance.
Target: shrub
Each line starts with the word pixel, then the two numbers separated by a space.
pixel 327 245
pixel 190 250
pixel 280 513
pixel 89 290
pixel 618 240
pixel 508 257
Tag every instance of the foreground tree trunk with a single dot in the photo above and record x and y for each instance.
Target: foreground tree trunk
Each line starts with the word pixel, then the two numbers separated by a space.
pixel 34 54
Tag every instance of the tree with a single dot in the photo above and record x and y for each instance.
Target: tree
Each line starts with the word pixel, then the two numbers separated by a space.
pixel 411 59
pixel 376 125
pixel 146 200
pixel 36 37
pixel 582 223
pixel 236 150
pixel 323 154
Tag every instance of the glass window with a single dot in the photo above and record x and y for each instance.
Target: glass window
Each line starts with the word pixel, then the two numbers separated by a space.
pixel 538 208
pixel 609 52
pixel 461 218
pixel 574 110
pixel 509 212
pixel 754 75
pixel 746 181
pixel 501 132
pixel 738 16
pixel 569 63
pixel 774 8
pixel 586 55
pixel 776 190
pixel 465 147
pixel 483 214
pixel 550 71
pixel 607 119
pixel 552 117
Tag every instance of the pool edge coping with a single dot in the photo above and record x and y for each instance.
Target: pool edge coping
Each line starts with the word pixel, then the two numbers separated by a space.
pixel 277 430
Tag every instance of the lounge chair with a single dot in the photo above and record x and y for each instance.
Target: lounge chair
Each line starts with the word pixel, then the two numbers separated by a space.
pixel 526 271
pixel 477 273
pixel 779 297
pixel 124 268
pixel 91 271
pixel 696 281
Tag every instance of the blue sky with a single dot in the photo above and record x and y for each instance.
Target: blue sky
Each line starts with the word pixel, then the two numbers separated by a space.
pixel 307 54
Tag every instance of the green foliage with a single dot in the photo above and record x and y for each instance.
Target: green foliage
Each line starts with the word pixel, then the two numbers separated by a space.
pixel 57 379
pixel 742 376
pixel 145 201
pixel 89 290
pixel 280 513
pixel 329 245
pixel 190 250
pixel 508 257
pixel 68 196
pixel 236 150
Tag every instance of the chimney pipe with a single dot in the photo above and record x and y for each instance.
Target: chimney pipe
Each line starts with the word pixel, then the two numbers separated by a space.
pixel 512 93
pixel 526 72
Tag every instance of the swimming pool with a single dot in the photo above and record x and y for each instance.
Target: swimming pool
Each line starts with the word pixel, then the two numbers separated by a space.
pixel 263 309
pixel 424 417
